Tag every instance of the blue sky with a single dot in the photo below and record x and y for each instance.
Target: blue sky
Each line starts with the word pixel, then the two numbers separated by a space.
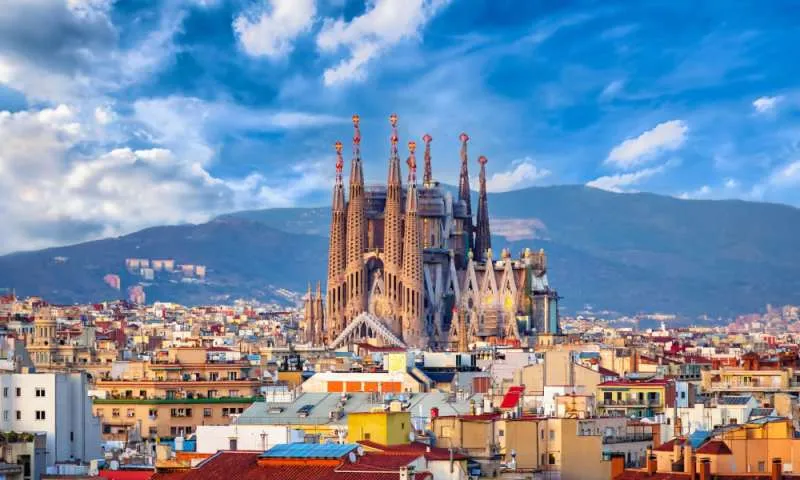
pixel 121 115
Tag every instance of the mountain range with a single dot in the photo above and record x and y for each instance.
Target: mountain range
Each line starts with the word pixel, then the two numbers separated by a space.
pixel 628 253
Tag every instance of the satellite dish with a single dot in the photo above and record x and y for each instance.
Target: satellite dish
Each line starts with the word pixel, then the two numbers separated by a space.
pixel 411 436
pixel 352 457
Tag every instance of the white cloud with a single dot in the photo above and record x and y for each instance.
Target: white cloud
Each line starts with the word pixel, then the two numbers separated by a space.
pixel 104 115
pixel 523 173
pixel 384 24
pixel 89 62
pixel 271 29
pixel 514 229
pixel 667 136
pixel 612 89
pixel 620 182
pixel 787 175
pixel 766 104
pixel 702 192
pixel 731 183
pixel 64 185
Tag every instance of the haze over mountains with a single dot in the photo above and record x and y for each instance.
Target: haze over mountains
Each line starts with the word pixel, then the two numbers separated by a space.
pixel 624 252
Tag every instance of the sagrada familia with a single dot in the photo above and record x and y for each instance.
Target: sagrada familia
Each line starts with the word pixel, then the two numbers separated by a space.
pixel 408 267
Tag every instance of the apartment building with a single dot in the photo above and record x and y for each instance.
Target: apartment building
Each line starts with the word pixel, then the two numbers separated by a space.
pixel 56 404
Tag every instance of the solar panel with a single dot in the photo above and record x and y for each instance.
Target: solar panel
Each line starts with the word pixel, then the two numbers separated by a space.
pixel 310 450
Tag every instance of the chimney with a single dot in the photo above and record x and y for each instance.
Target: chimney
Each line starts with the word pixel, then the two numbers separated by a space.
pixel 406 473
pixel 678 428
pixel 705 469
pixel 676 450
pixel 687 457
pixel 617 465
pixel 651 465
pixel 777 469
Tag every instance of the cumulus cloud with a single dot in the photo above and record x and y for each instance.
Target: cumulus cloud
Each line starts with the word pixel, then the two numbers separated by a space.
pixel 786 175
pixel 65 185
pixel 766 104
pixel 514 229
pixel 271 28
pixel 667 136
pixel 523 173
pixel 89 61
pixel 365 37
pixel 621 182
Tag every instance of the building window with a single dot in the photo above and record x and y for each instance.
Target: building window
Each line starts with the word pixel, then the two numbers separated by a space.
pixel 5 391
pixel 19 415
pixel 5 414
pixel 130 413
pixel 551 459
pixel 366 436
pixel 153 431
pixel 40 392
pixel 71 436
pixel 233 393
pixel 232 375
pixel 224 412
pixel 206 412
pixel 19 392
pixel 762 467
pixel 552 435
pixel 500 433
pixel 39 414
pixel 181 412
pixel 232 444
pixel 115 412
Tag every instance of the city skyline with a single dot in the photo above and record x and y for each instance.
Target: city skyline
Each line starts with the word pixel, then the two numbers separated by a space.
pixel 175 112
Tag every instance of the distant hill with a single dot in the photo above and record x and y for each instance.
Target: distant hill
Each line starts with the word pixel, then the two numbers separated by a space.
pixel 625 252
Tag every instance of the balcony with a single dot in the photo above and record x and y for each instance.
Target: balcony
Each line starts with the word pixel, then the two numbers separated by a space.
pixel 752 387
pixel 636 437
pixel 631 402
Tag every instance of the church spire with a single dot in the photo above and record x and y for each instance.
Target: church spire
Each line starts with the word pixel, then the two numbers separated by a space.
pixel 483 238
pixel 464 192
pixel 393 230
pixel 355 273
pixel 414 332
pixel 337 256
pixel 427 176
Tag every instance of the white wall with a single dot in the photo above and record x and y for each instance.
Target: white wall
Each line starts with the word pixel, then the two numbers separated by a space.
pixel 212 438
pixel 72 431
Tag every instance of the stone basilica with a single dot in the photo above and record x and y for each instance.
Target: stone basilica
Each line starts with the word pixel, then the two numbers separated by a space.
pixel 407 266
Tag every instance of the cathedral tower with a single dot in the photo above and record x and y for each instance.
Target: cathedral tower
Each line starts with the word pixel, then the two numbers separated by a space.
pixel 427 178
pixel 337 260
pixel 483 238
pixel 393 232
pixel 414 331
pixel 464 192
pixel 355 273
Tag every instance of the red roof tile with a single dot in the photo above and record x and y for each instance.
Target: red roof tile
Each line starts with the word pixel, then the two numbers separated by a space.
pixel 244 466
pixel 714 447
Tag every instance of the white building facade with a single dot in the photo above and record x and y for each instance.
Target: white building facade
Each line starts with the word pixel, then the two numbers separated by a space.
pixel 56 404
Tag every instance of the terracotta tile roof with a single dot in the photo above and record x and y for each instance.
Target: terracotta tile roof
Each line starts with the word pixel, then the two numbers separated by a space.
pixel 714 447
pixel 126 474
pixel 244 466
pixel 417 448
pixel 669 445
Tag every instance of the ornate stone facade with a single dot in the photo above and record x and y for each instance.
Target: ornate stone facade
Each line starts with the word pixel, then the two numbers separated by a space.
pixel 412 258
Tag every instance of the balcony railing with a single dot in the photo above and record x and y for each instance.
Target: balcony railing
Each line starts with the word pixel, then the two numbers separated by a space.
pixel 752 387
pixel 629 402
pixel 637 437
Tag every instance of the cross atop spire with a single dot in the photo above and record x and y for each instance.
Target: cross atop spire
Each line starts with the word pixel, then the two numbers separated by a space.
pixel 412 163
pixel 356 173
pixel 339 160
pixel 427 175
